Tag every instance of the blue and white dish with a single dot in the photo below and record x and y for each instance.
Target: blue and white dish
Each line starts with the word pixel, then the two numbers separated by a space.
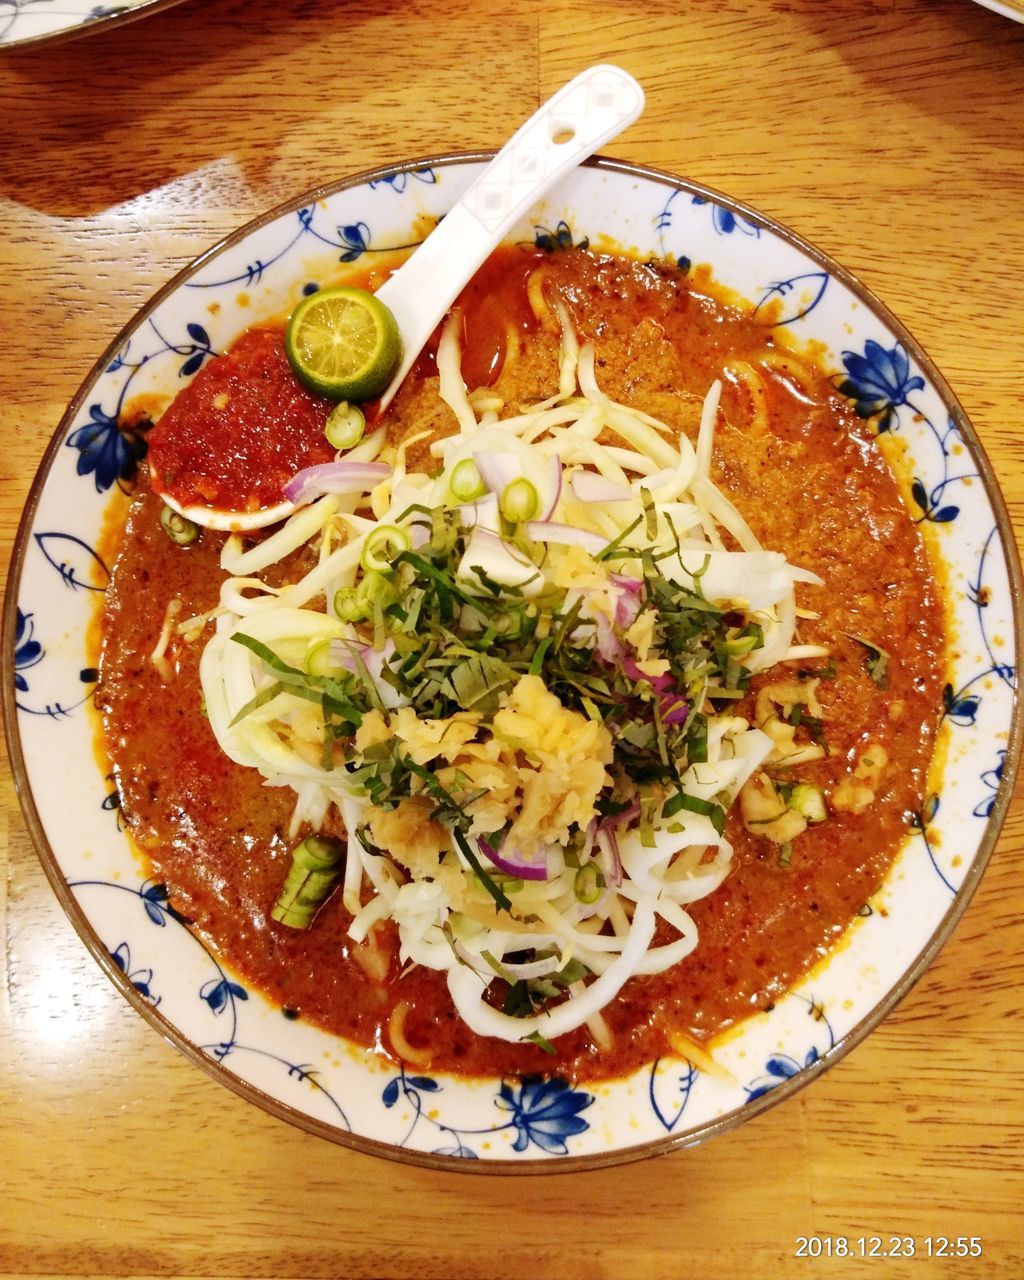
pixel 300 1072
pixel 29 22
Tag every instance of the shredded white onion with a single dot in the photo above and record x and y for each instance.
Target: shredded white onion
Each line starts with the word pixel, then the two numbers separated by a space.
pixel 589 493
pixel 452 387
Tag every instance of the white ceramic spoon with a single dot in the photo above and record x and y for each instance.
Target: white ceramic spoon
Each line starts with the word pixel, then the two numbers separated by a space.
pixel 582 116
pixel 590 110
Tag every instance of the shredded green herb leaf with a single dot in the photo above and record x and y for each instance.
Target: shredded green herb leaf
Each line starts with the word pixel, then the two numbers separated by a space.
pixel 459 644
pixel 876 661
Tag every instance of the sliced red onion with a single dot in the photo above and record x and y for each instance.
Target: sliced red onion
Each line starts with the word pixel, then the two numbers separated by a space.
pixel 348 653
pixel 514 864
pixel 660 684
pixel 497 470
pixel 608 843
pixel 674 709
pixel 334 477
pixel 607 643
pixel 569 535
pixel 591 486
pixel 630 812
pixel 627 608
pixel 611 862
pixel 627 605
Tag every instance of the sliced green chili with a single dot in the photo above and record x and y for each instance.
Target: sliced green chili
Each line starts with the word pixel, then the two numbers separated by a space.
pixel 316 865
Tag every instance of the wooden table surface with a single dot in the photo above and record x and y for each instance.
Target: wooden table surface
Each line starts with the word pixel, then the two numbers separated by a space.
pixel 890 133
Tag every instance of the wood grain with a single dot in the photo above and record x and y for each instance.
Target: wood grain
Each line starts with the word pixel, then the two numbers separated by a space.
pixel 888 132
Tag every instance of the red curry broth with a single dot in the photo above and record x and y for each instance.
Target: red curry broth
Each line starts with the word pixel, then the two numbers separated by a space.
pixel 810 482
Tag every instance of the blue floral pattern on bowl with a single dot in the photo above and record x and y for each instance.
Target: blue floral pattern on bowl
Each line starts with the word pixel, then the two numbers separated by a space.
pixel 343 1092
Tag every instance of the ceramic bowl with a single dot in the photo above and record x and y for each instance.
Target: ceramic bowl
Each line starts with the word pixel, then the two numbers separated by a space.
pixel 32 22
pixel 300 1072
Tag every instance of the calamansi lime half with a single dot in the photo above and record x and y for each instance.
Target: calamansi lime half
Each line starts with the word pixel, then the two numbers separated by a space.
pixel 343 343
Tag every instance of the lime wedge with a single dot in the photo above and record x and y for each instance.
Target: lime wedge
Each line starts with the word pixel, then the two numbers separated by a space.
pixel 343 344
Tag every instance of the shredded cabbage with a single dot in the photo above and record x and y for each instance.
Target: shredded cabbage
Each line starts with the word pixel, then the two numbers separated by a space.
pixel 566 923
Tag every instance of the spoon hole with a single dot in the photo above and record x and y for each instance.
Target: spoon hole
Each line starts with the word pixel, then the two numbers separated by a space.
pixel 562 134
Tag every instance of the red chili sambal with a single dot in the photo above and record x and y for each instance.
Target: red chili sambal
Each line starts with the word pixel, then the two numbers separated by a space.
pixel 240 430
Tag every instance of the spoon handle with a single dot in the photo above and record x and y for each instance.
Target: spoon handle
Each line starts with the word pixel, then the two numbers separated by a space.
pixel 582 116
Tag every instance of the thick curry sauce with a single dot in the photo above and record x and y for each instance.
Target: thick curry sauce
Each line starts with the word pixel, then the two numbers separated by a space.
pixel 808 477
